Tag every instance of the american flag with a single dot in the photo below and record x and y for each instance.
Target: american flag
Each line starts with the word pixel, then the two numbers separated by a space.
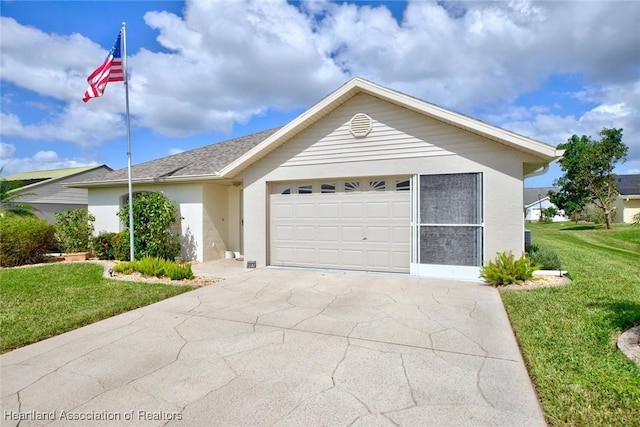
pixel 109 71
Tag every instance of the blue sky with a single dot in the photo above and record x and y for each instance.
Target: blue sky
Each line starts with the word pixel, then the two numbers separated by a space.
pixel 206 71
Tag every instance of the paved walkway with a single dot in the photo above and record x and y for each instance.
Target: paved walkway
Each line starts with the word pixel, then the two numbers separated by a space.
pixel 283 348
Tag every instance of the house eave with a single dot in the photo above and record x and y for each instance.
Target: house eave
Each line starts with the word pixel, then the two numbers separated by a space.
pixel 142 181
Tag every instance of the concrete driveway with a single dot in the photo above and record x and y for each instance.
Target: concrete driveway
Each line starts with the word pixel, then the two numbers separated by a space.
pixel 284 348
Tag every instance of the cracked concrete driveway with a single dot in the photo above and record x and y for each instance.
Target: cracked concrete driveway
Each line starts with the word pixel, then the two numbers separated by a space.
pixel 284 348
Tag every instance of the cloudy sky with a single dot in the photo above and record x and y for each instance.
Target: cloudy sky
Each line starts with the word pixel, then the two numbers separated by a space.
pixel 204 71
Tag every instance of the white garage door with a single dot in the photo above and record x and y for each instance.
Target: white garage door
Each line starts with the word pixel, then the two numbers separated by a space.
pixel 360 224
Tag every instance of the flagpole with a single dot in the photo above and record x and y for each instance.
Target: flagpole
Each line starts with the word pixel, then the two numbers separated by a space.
pixel 126 91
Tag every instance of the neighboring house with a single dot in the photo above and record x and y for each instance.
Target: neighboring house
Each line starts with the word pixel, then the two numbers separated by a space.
pixel 628 202
pixel 45 190
pixel 366 179
pixel 536 199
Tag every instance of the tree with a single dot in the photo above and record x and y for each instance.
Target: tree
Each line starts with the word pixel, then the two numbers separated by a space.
pixel 588 173
pixel 10 202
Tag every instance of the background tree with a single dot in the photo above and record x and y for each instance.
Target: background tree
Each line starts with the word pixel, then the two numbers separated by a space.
pixel 588 173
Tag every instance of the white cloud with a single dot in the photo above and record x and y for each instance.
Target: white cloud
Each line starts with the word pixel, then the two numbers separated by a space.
pixel 173 151
pixel 42 160
pixel 226 62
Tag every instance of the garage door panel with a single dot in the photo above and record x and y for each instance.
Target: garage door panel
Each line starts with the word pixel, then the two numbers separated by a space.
pixel 327 210
pixel 283 233
pixel 282 255
pixel 305 256
pixel 328 233
pixel 401 235
pixel 378 234
pixel 282 210
pixel 328 257
pixel 352 233
pixel 377 210
pixel 378 259
pixel 305 233
pixel 359 230
pixel 305 211
pixel 399 258
pixel 352 258
pixel 352 210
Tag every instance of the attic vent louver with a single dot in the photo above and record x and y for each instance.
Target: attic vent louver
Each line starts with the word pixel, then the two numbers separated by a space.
pixel 360 125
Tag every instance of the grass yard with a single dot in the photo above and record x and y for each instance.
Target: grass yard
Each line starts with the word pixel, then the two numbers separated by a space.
pixel 40 302
pixel 567 334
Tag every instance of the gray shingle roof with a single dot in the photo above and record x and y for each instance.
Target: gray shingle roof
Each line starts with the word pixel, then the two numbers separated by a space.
pixel 531 194
pixel 628 184
pixel 206 160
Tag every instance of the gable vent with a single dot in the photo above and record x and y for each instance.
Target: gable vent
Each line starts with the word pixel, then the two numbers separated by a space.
pixel 360 125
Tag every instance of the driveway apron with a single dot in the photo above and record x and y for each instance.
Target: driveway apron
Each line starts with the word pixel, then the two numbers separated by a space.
pixel 277 347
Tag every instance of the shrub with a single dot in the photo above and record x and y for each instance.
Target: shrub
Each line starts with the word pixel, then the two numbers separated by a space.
pixel 158 267
pixel 635 220
pixel 121 246
pixel 103 245
pixel 153 217
pixel 24 240
pixel 507 270
pixel 178 271
pixel 547 214
pixel 545 257
pixel 74 228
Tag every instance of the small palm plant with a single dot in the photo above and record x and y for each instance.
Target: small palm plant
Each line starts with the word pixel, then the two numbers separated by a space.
pixel 10 202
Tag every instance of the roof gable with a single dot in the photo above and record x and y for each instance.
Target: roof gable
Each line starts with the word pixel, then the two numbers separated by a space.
pixel 538 149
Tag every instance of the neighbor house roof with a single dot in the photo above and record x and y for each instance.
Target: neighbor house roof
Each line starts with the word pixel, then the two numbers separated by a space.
pixel 629 185
pixel 531 194
pixel 227 159
pixel 34 179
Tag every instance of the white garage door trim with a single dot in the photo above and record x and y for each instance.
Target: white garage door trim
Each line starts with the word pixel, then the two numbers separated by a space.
pixel 354 224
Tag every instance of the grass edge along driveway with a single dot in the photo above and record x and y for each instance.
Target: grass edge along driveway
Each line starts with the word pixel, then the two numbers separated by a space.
pixel 43 301
pixel 567 334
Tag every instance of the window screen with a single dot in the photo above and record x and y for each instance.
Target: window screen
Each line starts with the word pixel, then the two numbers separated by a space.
pixel 451 219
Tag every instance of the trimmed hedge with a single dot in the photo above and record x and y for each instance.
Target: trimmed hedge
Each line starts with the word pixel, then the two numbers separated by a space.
pixel 24 240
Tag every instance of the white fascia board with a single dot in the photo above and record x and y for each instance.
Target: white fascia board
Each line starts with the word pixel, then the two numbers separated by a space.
pixel 171 180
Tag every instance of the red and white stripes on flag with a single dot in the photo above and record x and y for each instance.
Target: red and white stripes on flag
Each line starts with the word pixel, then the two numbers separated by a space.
pixel 110 71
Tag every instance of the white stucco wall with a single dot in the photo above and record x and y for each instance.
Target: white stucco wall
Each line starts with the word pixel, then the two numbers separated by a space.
pixel 104 204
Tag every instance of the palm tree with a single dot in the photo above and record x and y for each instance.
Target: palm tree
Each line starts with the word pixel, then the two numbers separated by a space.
pixel 10 202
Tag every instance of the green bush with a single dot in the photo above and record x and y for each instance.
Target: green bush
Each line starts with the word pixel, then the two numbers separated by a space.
pixel 507 269
pixel 121 246
pixel 547 214
pixel 158 267
pixel 103 245
pixel 153 217
pixel 178 271
pixel 24 240
pixel 545 257
pixel 74 229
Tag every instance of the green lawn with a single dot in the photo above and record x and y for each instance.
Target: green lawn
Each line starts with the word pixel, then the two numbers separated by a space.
pixel 567 334
pixel 40 302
